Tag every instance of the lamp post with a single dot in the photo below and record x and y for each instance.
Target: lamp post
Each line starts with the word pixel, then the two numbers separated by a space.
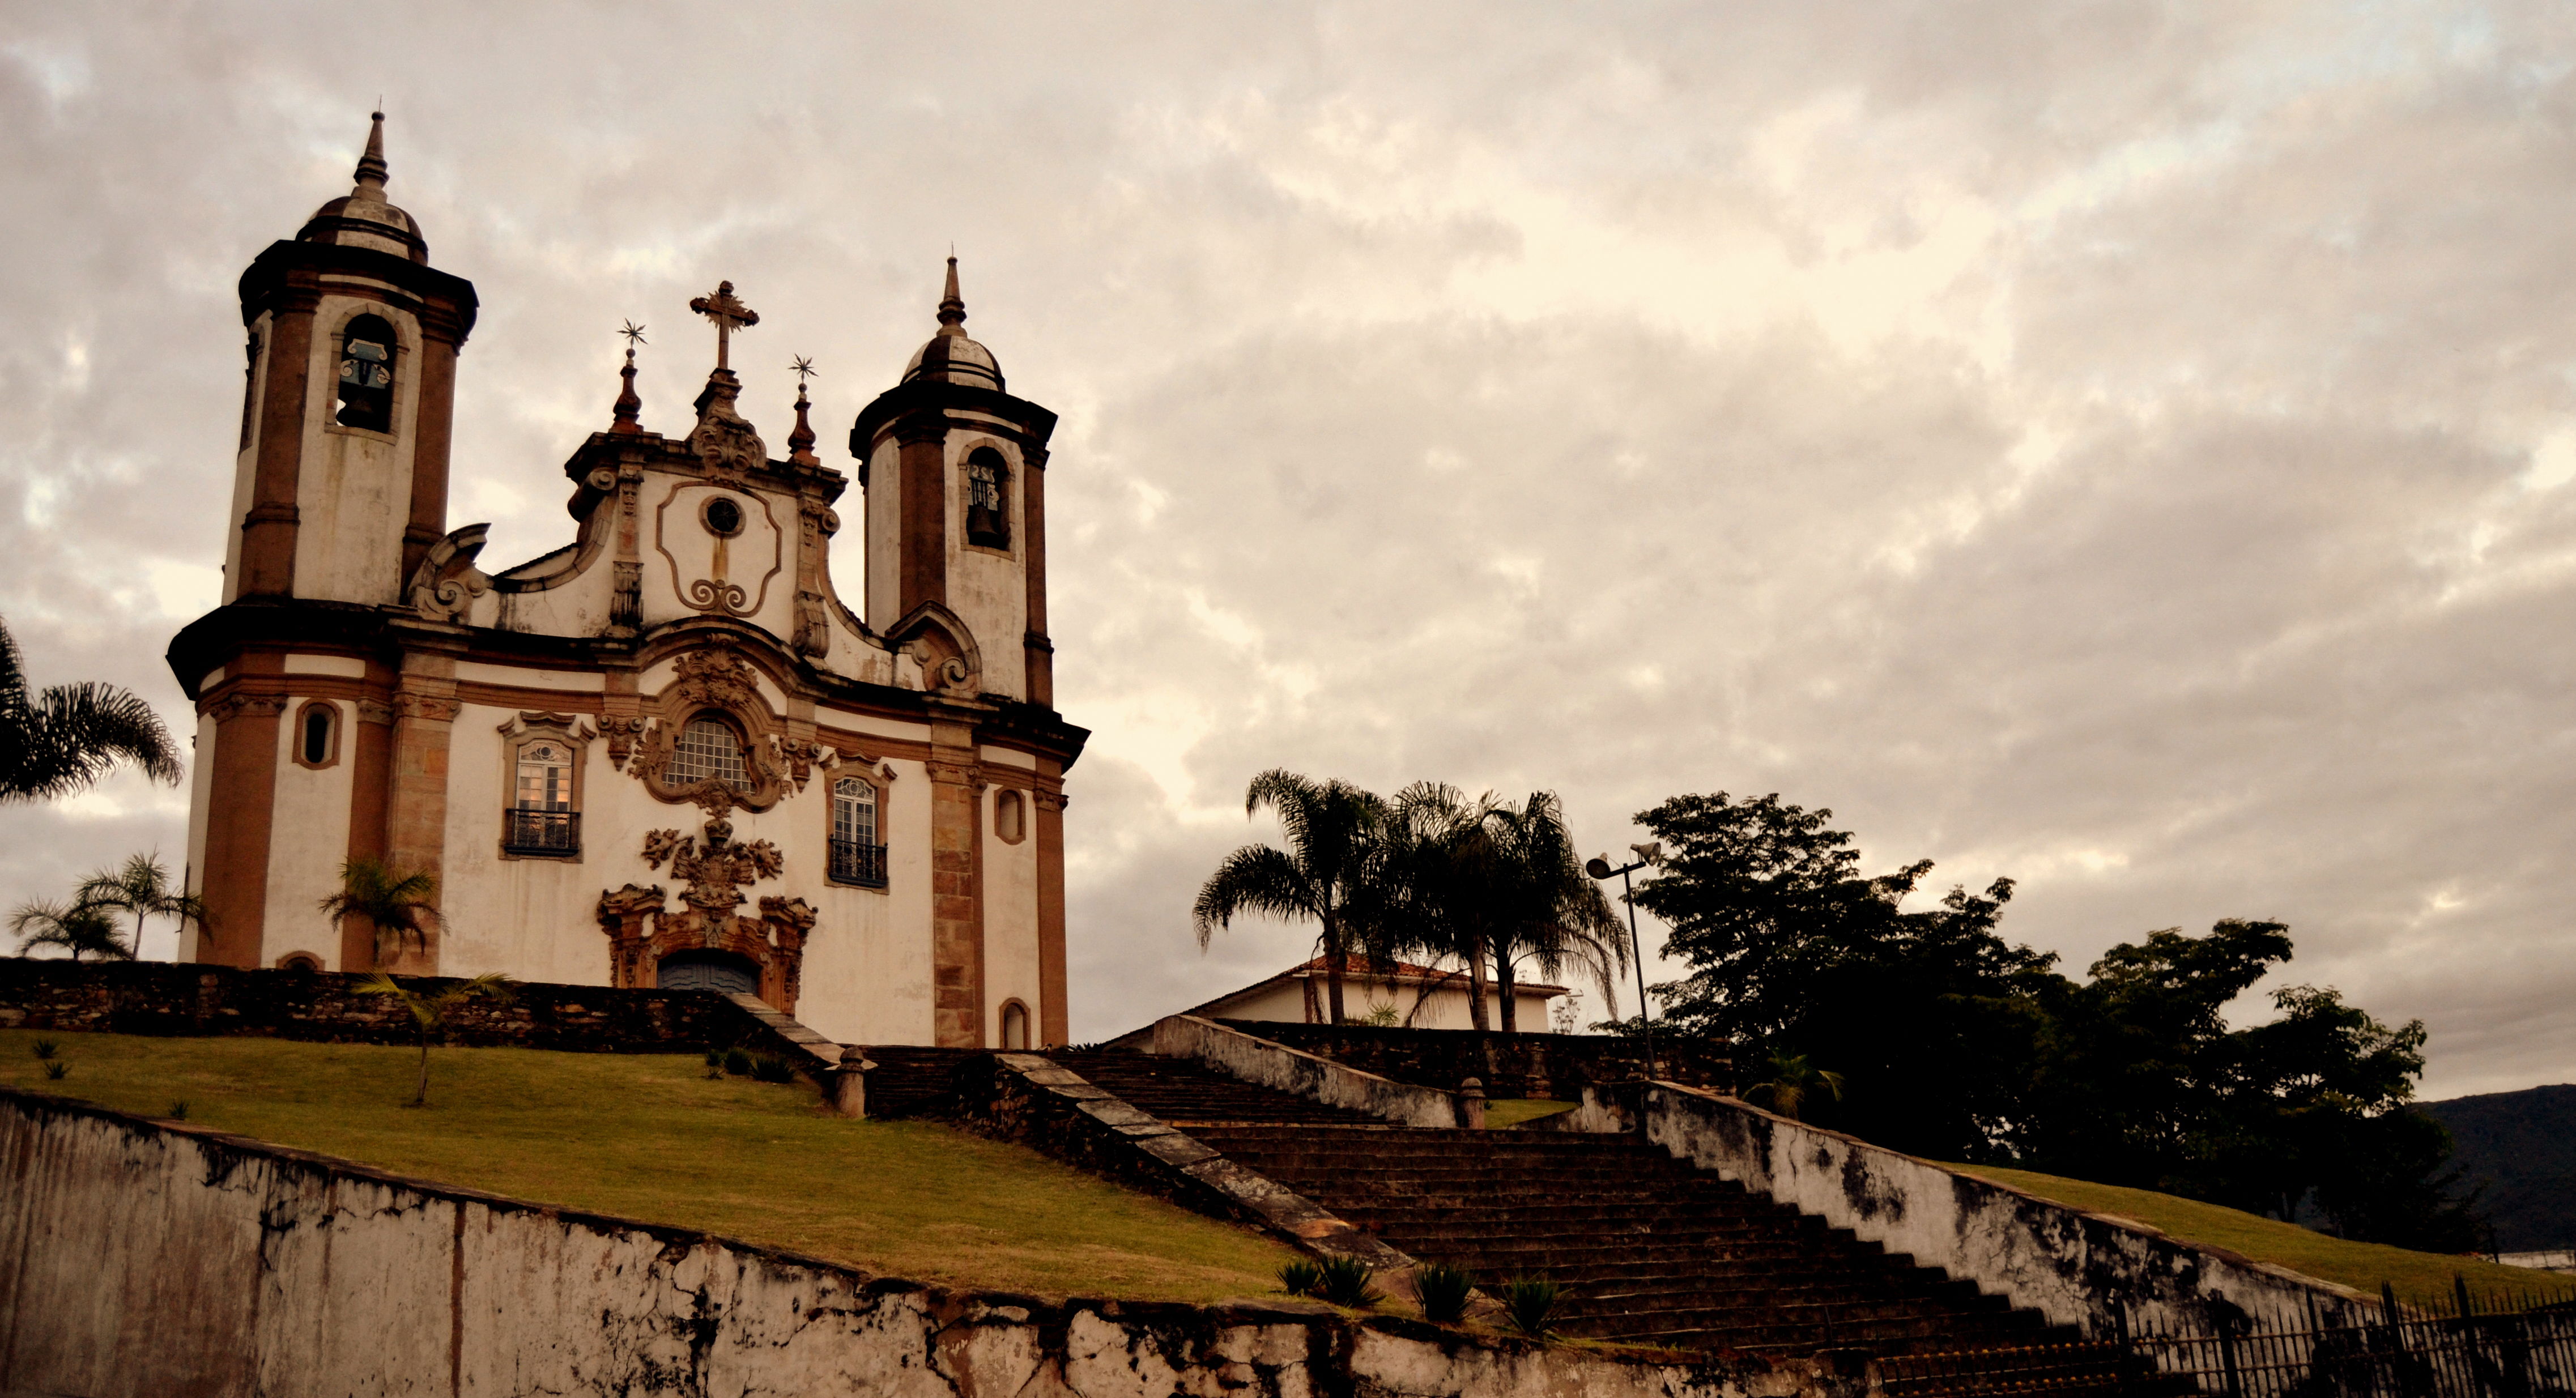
pixel 1599 868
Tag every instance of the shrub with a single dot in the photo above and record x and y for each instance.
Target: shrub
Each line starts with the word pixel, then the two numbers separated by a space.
pixel 768 1068
pixel 1529 1303
pixel 1346 1283
pixel 47 1048
pixel 715 1058
pixel 737 1061
pixel 58 1069
pixel 1443 1291
pixel 1300 1278
pixel 178 1111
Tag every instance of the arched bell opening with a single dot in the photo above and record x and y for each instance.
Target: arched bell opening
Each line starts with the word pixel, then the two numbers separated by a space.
pixel 719 971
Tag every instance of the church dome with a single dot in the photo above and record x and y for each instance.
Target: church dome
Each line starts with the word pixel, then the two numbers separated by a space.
pixel 363 217
pixel 950 357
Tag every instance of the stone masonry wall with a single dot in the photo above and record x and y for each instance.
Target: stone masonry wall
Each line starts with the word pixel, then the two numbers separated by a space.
pixel 159 997
pixel 1510 1065
pixel 145 1258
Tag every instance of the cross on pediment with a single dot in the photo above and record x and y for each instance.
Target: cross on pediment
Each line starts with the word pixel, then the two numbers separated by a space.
pixel 729 314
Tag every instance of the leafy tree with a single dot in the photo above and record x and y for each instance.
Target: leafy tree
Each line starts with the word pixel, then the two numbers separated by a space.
pixel 429 1010
pixel 398 905
pixel 1792 951
pixel 67 737
pixel 1334 846
pixel 141 887
pixel 80 929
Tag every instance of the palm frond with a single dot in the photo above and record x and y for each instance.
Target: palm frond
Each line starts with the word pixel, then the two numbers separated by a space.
pixel 1253 879
pixel 73 735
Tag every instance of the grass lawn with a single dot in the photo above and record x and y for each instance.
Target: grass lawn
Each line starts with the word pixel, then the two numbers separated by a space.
pixel 1505 1112
pixel 2423 1276
pixel 651 1137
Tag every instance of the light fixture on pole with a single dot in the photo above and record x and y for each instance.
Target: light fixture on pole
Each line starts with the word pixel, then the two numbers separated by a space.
pixel 1599 868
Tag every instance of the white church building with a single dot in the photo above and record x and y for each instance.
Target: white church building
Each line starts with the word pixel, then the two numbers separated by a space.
pixel 667 753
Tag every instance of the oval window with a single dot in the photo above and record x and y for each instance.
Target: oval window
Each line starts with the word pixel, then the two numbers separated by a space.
pixel 724 517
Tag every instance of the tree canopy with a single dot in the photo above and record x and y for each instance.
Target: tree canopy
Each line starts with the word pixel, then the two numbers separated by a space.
pixel 66 737
pixel 1956 1044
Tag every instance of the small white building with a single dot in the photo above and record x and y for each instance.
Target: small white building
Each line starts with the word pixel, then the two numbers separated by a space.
pixel 1419 997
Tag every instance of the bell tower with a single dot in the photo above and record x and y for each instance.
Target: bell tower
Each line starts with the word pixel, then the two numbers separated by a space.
pixel 340 486
pixel 955 473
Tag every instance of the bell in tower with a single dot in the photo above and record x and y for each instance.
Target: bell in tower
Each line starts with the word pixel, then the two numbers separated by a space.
pixel 955 471
pixel 341 483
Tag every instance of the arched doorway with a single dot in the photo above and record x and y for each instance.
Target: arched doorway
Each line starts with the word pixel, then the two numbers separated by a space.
pixel 719 971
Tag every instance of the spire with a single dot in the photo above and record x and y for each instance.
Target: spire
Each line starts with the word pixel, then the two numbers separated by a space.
pixel 952 307
pixel 371 166
pixel 630 409
pixel 800 443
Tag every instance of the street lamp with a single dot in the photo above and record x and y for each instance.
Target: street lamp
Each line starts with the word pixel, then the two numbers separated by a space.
pixel 1599 868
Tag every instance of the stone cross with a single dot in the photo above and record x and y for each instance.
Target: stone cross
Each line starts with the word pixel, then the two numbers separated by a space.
pixel 729 315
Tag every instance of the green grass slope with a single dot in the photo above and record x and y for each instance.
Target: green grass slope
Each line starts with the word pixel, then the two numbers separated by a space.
pixel 651 1137
pixel 2417 1276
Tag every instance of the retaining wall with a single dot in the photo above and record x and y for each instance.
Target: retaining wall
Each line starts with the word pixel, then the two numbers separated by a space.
pixel 145 1258
pixel 1510 1065
pixel 1266 1064
pixel 2070 1265
pixel 186 999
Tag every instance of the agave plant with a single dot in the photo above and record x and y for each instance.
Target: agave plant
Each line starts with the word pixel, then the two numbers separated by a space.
pixel 1300 1278
pixel 1444 1292
pixel 1346 1283
pixel 1529 1303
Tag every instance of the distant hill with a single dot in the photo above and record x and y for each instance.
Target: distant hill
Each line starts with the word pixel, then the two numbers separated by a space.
pixel 2522 1147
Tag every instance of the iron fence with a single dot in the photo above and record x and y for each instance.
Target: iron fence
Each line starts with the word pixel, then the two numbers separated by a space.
pixel 2524 1347
pixel 858 862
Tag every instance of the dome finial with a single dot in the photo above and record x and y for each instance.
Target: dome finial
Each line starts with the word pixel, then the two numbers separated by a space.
pixel 630 409
pixel 952 307
pixel 371 166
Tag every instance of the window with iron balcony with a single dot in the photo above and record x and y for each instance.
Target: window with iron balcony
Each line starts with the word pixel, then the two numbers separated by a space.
pixel 541 819
pixel 858 857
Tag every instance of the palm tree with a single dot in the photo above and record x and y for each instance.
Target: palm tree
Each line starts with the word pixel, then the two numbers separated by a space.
pixel 69 736
pixel 402 905
pixel 1792 1078
pixel 1437 897
pixel 1333 847
pixel 142 888
pixel 1544 907
pixel 430 1011
pixel 79 929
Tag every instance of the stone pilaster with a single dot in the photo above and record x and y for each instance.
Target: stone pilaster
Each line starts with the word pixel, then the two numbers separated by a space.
pixel 416 822
pixel 956 890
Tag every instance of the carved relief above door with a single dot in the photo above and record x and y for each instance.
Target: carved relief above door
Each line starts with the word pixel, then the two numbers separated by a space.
pixel 724 547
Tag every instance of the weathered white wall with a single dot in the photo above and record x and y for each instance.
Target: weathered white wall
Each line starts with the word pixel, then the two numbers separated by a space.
pixel 308 839
pixel 988 588
pixel 2070 1265
pixel 142 1259
pixel 1010 918
pixel 245 461
pixel 1258 1061
pixel 679 551
pixel 353 490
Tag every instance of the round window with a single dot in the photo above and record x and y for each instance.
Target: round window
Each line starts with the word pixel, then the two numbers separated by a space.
pixel 723 516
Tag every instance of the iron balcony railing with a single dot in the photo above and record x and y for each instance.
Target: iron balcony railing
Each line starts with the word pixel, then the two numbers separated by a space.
pixel 541 832
pixel 856 861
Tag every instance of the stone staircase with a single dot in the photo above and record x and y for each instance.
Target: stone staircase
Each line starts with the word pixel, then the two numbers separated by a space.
pixel 1649 1250
pixel 910 1080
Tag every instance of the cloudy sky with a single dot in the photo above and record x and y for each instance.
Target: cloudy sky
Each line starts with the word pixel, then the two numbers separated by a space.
pixel 2127 448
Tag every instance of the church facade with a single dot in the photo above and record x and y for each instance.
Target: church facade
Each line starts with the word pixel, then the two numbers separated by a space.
pixel 667 753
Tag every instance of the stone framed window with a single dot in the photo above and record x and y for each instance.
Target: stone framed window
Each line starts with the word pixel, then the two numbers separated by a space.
pixel 709 748
pixel 858 843
pixel 316 734
pixel 543 754
pixel 366 379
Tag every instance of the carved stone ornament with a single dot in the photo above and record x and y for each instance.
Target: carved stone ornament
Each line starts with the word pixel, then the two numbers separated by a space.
pixel 715 678
pixel 431 707
pixel 576 727
pixel 444 586
pixel 730 446
pixel 256 705
pixel 621 734
pixel 642 932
